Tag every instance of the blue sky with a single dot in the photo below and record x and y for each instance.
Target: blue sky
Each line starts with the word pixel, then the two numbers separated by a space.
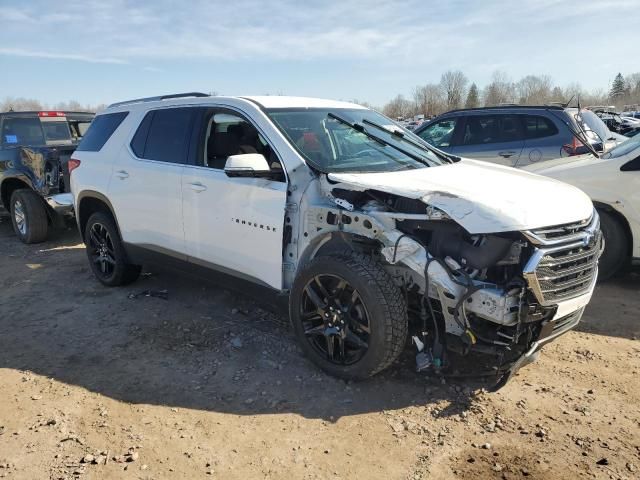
pixel 104 51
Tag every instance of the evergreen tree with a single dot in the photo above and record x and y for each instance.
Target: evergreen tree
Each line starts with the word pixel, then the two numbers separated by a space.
pixel 618 87
pixel 473 99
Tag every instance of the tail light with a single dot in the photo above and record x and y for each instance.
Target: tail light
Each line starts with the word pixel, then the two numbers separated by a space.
pixel 73 164
pixel 51 114
pixel 576 147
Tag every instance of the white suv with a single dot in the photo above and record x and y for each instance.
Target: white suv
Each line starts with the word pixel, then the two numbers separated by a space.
pixel 376 236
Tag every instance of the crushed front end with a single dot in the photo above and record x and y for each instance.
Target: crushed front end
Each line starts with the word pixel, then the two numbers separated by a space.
pixel 496 297
pixel 493 298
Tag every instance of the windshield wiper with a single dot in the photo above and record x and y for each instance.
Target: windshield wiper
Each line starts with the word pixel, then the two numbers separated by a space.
pixel 580 136
pixel 359 128
pixel 401 135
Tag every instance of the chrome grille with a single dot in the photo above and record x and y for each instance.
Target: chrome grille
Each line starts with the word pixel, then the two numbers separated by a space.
pixel 565 262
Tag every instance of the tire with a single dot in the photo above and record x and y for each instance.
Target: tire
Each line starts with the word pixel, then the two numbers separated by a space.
pixel 29 216
pixel 106 254
pixel 369 292
pixel 615 256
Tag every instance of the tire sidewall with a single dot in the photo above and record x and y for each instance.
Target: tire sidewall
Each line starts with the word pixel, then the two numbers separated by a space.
pixel 119 269
pixel 614 257
pixel 17 196
pixel 370 294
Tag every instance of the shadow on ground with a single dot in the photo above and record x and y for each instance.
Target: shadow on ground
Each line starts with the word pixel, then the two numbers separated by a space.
pixel 221 345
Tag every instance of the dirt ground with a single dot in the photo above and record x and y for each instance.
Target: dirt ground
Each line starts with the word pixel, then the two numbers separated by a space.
pixel 209 383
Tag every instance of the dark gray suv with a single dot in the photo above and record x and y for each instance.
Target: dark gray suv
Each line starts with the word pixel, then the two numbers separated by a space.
pixel 517 135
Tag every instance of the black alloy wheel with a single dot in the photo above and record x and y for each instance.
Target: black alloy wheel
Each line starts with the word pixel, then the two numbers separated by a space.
pixel 101 250
pixel 335 319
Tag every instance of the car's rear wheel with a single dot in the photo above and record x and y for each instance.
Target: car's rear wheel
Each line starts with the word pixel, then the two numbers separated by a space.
pixel 29 216
pixel 106 253
pixel 348 314
pixel 615 256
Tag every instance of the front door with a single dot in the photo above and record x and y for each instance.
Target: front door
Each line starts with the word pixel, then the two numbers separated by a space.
pixel 234 224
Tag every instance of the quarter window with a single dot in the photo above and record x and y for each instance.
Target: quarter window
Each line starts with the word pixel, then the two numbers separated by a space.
pixel 100 131
pixel 539 127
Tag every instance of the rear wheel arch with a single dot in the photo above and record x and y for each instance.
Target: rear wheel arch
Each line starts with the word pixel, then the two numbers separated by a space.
pixel 10 185
pixel 90 203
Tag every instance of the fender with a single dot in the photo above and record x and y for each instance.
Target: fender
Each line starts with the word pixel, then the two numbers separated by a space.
pixel 82 218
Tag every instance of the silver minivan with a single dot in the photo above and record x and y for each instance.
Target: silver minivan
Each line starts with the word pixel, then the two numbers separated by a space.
pixel 517 135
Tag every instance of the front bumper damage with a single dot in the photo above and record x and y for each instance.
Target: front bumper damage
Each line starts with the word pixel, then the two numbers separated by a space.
pixel 510 323
pixel 456 310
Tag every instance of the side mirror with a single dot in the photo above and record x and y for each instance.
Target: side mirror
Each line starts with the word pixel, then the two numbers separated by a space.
pixel 247 165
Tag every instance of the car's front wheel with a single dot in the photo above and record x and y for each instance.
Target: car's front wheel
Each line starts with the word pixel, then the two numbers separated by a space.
pixel 106 253
pixel 615 256
pixel 348 314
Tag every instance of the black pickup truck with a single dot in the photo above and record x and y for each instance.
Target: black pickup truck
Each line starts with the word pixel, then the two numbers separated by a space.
pixel 35 148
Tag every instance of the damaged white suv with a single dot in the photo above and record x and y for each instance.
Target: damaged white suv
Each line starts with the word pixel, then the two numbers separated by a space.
pixel 376 236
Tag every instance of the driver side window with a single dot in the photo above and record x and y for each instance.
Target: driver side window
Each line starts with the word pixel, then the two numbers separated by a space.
pixel 228 133
pixel 440 134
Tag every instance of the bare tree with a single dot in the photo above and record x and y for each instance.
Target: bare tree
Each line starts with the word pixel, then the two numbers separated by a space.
pixel 398 107
pixel 454 84
pixel 500 90
pixel 428 99
pixel 534 89
pixel 18 104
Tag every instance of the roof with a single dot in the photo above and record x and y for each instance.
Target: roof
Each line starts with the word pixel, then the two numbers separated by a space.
pixel 265 101
pixel 281 101
pixel 35 112
pixel 510 107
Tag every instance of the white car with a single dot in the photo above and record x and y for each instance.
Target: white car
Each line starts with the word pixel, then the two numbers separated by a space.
pixel 613 183
pixel 375 236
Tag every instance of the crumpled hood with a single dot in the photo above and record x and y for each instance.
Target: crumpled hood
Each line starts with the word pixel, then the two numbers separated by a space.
pixel 480 196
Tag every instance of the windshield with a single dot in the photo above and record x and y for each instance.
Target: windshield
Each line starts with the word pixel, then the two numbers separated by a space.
pixel 323 137
pixel 624 148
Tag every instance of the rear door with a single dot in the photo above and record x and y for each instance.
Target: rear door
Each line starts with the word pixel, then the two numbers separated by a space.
pixel 496 138
pixel 146 185
pixel 543 140
pixel 234 224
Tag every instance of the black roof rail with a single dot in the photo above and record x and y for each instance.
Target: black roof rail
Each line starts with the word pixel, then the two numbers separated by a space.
pixel 160 97
pixel 508 107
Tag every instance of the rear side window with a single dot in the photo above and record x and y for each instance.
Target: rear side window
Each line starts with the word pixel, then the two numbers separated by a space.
pixel 163 135
pixel 486 129
pixel 22 131
pixel 538 127
pixel 100 131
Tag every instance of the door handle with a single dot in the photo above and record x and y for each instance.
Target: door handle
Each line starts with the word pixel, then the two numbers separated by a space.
pixel 506 154
pixel 122 174
pixel 197 187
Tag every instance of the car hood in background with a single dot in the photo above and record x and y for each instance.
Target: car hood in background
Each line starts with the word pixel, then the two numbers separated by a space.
pixel 481 197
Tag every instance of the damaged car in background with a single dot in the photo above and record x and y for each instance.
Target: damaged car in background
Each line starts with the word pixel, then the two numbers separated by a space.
pixel 377 237
pixel 35 148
